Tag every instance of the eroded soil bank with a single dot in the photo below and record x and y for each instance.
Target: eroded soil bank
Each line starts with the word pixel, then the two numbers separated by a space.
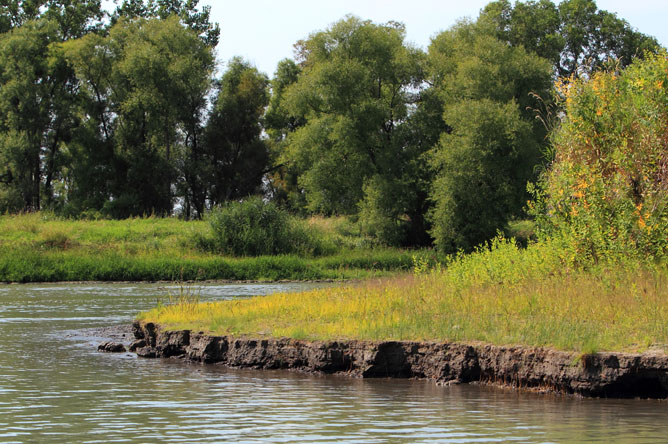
pixel 602 374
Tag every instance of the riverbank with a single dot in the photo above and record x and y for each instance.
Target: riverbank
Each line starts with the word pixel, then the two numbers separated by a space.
pixel 43 248
pixel 624 375
pixel 503 296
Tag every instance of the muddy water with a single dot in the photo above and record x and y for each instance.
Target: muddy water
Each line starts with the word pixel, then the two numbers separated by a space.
pixel 55 387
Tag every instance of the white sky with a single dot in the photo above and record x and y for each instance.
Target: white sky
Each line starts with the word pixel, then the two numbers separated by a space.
pixel 263 31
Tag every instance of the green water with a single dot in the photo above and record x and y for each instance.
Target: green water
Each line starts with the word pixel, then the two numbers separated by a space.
pixel 55 387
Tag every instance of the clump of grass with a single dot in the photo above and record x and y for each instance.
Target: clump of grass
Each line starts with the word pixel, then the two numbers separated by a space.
pixel 500 295
pixel 254 227
pixel 57 239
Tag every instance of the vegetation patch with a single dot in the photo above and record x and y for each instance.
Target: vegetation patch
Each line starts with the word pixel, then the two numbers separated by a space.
pixel 501 295
pixel 40 247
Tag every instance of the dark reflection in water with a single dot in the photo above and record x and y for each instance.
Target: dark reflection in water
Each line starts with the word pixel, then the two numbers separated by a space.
pixel 54 387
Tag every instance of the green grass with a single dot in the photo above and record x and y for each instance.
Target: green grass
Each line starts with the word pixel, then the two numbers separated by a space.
pixel 42 248
pixel 503 295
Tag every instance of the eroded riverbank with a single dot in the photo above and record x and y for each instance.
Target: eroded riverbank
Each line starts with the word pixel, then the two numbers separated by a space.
pixel 623 375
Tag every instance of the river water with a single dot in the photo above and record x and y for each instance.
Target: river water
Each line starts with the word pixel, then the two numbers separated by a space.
pixel 55 387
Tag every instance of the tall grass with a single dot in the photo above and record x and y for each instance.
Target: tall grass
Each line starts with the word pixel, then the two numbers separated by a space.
pixel 43 248
pixel 500 295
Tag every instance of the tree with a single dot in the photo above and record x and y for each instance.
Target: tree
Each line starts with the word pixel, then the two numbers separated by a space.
pixel 536 25
pixel 484 160
pixel 185 10
pixel 605 196
pixel 575 36
pixel 74 18
pixel 356 88
pixel 36 97
pixel 145 85
pixel 279 123
pixel 235 152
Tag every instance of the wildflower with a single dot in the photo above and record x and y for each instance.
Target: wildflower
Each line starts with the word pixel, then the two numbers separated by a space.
pixel 641 222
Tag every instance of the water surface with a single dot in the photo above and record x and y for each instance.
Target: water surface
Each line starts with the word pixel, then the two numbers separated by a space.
pixel 55 387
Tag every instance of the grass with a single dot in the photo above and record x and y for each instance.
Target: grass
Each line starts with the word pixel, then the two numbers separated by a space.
pixel 503 295
pixel 42 248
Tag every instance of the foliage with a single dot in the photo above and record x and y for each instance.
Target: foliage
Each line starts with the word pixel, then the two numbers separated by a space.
pixel 144 88
pixel 279 123
pixel 575 36
pixel 235 155
pixel 74 18
pixel 484 168
pixel 36 114
pixel 606 193
pixel 254 227
pixel 485 159
pixel 186 11
pixel 354 91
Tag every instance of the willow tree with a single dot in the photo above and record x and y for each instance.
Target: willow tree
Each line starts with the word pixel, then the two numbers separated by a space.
pixel 37 94
pixel 356 89
pixel 236 153
pixel 486 158
pixel 145 85
pixel 574 35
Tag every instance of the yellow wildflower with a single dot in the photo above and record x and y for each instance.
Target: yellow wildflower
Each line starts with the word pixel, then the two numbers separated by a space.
pixel 641 222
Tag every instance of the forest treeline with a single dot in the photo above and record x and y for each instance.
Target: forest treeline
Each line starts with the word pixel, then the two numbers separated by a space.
pixel 123 114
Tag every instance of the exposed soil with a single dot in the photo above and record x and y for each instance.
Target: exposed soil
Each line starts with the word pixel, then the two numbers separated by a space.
pixel 603 374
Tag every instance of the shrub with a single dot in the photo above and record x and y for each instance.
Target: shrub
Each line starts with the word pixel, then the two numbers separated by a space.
pixel 255 227
pixel 606 191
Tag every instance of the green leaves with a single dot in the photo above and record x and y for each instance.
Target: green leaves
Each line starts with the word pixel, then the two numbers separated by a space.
pixel 484 162
pixel 354 91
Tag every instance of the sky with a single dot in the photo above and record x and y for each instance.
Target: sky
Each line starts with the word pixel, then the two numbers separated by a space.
pixel 264 31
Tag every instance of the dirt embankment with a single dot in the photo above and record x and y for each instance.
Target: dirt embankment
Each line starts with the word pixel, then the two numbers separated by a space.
pixel 602 374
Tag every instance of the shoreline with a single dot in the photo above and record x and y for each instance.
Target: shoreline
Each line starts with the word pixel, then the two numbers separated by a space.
pixel 190 283
pixel 609 374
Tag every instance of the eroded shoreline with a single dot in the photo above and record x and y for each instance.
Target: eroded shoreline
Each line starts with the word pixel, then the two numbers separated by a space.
pixel 623 375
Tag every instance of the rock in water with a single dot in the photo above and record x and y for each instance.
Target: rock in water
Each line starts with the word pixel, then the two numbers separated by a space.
pixel 111 347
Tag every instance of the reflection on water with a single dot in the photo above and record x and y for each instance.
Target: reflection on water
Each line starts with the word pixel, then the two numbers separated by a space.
pixel 55 387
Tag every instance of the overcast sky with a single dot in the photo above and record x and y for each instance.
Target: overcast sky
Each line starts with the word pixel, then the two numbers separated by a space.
pixel 263 31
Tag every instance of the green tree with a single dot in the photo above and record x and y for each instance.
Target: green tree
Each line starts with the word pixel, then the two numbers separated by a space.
pixel 187 11
pixel 36 97
pixel 484 161
pixel 279 123
pixel 75 18
pixel 146 85
pixel 575 36
pixel 236 154
pixel 536 25
pixel 358 84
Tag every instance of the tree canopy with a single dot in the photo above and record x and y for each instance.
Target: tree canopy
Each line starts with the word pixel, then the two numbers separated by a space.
pixel 124 113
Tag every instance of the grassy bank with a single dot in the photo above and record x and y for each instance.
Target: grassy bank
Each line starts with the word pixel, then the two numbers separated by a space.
pixel 503 296
pixel 41 248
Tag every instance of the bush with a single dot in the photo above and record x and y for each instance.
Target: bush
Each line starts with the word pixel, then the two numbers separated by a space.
pixel 606 194
pixel 254 227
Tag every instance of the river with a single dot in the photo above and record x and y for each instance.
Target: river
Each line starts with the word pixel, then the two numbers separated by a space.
pixel 55 387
